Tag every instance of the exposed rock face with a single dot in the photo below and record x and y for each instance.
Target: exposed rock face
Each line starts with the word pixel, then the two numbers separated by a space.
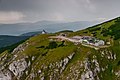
pixel 83 71
pixel 88 72
pixel 10 67
pixel 5 75
pixel 20 48
pixel 17 67
pixel 54 69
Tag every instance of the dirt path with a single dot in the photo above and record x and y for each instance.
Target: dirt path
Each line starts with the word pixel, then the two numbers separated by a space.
pixel 77 41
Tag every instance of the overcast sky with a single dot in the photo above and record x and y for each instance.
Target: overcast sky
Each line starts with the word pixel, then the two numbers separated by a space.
pixel 12 11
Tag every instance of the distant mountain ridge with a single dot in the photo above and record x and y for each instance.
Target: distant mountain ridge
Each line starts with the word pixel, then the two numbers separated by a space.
pixel 50 26
pixel 31 33
pixel 7 40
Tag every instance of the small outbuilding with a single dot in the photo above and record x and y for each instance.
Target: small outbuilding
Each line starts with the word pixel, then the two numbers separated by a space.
pixel 100 43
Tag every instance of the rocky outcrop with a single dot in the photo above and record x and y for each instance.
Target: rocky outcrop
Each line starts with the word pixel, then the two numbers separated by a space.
pixel 89 73
pixel 18 67
pixel 5 75
pixel 12 67
pixel 54 70
pixel 20 48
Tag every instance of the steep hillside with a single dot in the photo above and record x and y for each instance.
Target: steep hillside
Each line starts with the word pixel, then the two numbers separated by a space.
pixel 6 40
pixel 43 58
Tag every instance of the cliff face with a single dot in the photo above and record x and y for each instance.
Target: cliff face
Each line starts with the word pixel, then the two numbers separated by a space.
pixel 41 58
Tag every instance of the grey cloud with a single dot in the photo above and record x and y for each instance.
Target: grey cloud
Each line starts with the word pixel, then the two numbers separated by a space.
pixel 69 10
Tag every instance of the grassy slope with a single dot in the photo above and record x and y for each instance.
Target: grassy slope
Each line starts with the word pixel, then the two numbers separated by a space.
pixel 103 31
